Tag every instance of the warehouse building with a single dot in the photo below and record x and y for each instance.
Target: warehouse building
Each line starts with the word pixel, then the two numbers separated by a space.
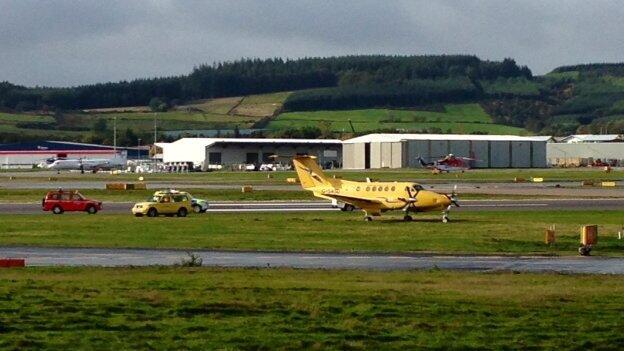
pixel 403 150
pixel 30 154
pixel 215 153
pixel 592 138
pixel 586 149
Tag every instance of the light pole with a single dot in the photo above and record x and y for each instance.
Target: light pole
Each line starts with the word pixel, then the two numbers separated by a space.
pixel 139 150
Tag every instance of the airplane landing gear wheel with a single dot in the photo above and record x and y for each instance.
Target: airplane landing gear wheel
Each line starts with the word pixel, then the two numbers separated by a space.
pixel 347 207
pixel 445 219
pixel 407 218
pixel 368 219
pixel 584 250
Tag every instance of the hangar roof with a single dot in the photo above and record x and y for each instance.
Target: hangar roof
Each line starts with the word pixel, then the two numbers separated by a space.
pixel 398 137
pixel 211 141
pixel 592 138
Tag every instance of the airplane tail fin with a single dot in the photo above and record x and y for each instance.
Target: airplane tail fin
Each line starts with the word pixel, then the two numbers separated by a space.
pixel 309 172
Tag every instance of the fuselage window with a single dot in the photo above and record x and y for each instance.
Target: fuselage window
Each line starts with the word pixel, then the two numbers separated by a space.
pixel 393 188
pixel 386 189
pixel 368 188
pixel 357 189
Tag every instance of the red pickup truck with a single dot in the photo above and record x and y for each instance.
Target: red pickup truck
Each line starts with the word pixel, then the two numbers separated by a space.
pixel 60 201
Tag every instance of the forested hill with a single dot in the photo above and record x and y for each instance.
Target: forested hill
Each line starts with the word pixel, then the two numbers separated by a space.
pixel 586 98
pixel 613 69
pixel 446 76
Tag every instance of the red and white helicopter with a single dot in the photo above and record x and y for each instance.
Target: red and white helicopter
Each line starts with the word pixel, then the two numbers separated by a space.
pixel 449 163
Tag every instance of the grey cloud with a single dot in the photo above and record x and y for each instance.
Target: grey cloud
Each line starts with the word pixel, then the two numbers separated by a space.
pixel 77 42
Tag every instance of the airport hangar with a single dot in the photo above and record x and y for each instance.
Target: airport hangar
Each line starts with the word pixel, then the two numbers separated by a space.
pixel 207 153
pixel 402 150
pixel 29 154
pixel 583 149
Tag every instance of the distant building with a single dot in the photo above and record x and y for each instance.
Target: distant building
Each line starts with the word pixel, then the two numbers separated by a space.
pixel 29 154
pixel 593 138
pixel 207 153
pixel 586 149
pixel 402 150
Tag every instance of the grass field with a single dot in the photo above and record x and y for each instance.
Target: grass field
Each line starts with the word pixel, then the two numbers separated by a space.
pixel 459 118
pixel 10 124
pixel 500 232
pixel 221 113
pixel 261 105
pixel 239 309
pixel 139 122
pixel 171 120
pixel 418 175
pixel 11 118
pixel 218 106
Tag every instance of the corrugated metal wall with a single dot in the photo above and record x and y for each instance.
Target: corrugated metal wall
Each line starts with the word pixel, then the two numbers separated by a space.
pixel 353 156
pixel 375 155
pixel 520 154
pixel 561 154
pixel 438 148
pixel 539 154
pixel 396 154
pixel 500 154
pixel 460 148
pixel 416 148
pixel 480 153
pixel 487 154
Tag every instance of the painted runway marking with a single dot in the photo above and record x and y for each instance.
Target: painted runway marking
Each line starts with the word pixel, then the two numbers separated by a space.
pixel 507 205
pixel 270 209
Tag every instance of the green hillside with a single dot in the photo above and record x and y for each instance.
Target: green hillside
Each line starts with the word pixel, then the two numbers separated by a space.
pixel 318 97
pixel 95 125
pixel 452 118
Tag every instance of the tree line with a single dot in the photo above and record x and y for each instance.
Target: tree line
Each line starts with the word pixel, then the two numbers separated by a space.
pixel 409 93
pixel 255 76
pixel 595 69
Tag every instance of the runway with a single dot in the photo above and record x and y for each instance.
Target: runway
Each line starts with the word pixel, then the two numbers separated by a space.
pixel 303 206
pixel 38 256
pixel 564 188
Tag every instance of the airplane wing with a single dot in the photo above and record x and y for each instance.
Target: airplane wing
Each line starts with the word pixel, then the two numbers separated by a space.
pixel 370 205
pixel 353 198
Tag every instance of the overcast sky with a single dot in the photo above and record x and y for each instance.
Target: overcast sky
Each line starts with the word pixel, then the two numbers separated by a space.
pixel 63 43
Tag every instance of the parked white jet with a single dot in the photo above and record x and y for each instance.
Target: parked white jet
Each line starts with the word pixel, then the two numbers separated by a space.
pixel 80 164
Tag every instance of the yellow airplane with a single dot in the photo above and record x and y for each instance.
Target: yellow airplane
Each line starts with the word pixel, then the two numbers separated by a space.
pixel 372 197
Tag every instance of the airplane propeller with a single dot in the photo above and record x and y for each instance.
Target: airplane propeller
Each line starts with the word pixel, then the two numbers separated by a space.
pixel 453 197
pixel 411 200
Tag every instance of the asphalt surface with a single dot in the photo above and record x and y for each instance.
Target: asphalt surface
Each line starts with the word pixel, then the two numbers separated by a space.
pixel 38 256
pixel 491 188
pixel 294 206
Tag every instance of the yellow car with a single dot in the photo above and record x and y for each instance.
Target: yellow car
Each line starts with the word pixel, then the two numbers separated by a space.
pixel 166 203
